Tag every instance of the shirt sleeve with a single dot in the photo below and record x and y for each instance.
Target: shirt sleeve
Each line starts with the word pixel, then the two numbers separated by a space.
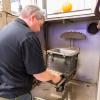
pixel 33 56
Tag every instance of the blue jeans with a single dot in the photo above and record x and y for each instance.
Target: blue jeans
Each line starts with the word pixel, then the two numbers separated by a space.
pixel 27 96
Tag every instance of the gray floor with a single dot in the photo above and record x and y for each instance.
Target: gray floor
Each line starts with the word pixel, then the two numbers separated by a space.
pixel 77 91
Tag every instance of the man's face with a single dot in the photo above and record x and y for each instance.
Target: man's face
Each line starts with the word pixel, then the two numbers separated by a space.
pixel 37 24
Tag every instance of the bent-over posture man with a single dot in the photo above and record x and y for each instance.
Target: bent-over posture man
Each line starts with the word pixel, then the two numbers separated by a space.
pixel 21 58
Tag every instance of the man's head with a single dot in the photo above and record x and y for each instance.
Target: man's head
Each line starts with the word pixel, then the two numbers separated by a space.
pixel 33 16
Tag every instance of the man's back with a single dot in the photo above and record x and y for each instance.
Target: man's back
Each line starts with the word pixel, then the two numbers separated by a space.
pixel 13 74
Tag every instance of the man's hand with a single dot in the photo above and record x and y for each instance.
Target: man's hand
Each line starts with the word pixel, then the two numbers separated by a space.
pixel 60 85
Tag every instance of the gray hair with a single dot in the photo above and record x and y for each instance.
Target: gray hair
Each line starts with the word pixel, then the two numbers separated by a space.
pixel 30 9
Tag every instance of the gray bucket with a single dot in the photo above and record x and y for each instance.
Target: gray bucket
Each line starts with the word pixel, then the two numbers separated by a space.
pixel 63 60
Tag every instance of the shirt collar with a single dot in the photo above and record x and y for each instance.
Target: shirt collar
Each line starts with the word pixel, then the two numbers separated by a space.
pixel 22 22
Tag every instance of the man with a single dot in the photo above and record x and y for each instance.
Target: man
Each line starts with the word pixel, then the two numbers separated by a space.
pixel 21 59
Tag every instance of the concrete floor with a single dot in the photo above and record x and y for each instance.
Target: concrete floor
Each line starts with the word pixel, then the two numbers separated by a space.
pixel 77 91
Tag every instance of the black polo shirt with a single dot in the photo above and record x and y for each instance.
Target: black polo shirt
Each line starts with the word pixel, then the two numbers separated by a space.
pixel 20 57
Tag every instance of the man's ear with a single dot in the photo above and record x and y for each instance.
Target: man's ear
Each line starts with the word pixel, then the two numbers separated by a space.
pixel 33 17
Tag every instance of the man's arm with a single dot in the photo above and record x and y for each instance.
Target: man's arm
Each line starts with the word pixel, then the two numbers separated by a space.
pixel 48 75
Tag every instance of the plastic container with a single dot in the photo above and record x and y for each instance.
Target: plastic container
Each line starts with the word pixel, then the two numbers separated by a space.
pixel 63 60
